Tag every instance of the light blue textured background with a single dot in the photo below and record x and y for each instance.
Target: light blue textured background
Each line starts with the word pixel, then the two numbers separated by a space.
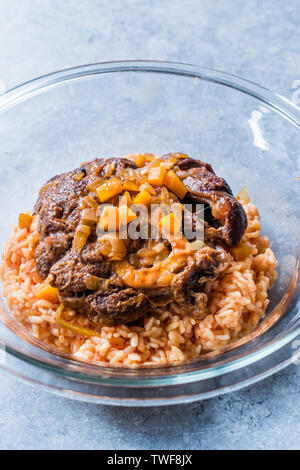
pixel 258 40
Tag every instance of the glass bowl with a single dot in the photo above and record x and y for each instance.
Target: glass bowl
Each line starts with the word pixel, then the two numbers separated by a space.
pixel 250 136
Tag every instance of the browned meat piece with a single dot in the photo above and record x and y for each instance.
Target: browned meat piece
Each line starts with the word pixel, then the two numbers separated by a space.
pixel 58 203
pixel 88 282
pixel 188 163
pixel 187 286
pixel 49 250
pixel 117 306
pixel 222 210
pixel 110 304
pixel 71 274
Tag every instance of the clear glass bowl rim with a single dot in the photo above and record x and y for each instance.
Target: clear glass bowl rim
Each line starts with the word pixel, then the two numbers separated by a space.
pixel 157 375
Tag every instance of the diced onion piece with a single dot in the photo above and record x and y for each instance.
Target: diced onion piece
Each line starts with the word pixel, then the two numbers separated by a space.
pixel 158 248
pixel 112 247
pixel 240 252
pixel 85 229
pixel 79 175
pixel 79 241
pixel 89 217
pixel 147 187
pixel 171 223
pixel 81 235
pixel 131 186
pixel 47 292
pixel 126 199
pixel 109 169
pixel 243 195
pixel 197 245
pixel 142 198
pixel 140 160
pixel 79 330
pixel 93 185
pixel 93 282
pixel 25 220
pixel 168 164
pixel 111 188
pixel 173 183
pixel 90 201
pixel 156 175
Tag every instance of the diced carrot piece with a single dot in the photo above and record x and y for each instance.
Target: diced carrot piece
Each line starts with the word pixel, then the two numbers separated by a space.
pixel 25 220
pixel 109 189
pixel 171 223
pixel 156 175
pixel 140 160
pixel 109 220
pixel 126 200
pixel 49 293
pixel 131 186
pixel 142 198
pixel 126 215
pixel 173 183
pixel 149 157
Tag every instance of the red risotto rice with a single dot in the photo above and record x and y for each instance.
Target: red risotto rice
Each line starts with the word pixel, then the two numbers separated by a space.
pixel 236 302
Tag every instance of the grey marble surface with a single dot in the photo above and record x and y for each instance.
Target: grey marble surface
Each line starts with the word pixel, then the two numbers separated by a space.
pixel 258 40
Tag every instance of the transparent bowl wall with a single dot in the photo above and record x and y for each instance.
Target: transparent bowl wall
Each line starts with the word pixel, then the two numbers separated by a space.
pixel 251 138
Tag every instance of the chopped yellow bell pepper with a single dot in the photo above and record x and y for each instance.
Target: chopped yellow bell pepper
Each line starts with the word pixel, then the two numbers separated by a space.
pixel 25 220
pixel 47 292
pixel 173 183
pixel 142 198
pixel 156 175
pixel 109 189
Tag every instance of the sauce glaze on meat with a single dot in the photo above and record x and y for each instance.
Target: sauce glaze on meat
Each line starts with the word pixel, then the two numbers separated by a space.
pixel 113 299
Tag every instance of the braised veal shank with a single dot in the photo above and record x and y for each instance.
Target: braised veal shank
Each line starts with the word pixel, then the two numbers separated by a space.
pixel 88 279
